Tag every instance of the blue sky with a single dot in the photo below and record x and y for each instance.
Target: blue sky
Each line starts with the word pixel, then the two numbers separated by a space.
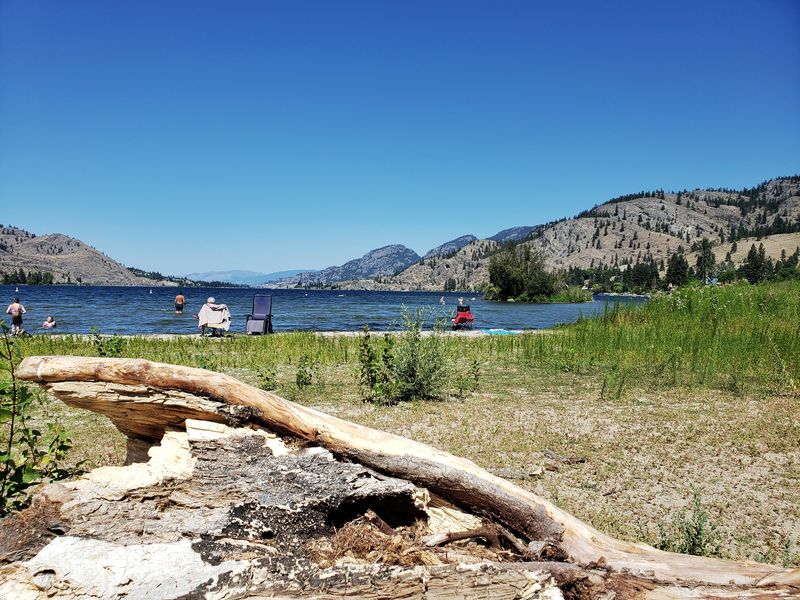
pixel 194 136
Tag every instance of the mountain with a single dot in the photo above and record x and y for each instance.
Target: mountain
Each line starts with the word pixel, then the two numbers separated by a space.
pixel 451 247
pixel 245 277
pixel 624 230
pixel 656 224
pixel 67 258
pixel 385 261
pixel 513 234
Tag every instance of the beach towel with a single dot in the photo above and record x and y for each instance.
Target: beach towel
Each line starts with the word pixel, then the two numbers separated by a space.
pixel 214 315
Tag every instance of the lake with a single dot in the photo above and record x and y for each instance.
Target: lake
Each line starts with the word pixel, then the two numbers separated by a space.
pixel 142 310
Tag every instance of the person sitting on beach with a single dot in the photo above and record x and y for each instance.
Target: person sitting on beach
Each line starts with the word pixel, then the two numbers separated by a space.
pixel 16 310
pixel 215 316
pixel 49 323
pixel 180 300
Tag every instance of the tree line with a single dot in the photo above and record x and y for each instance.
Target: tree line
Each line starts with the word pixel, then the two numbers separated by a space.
pixel 519 273
pixel 29 278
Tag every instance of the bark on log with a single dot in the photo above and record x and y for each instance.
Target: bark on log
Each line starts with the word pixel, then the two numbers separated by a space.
pixel 456 479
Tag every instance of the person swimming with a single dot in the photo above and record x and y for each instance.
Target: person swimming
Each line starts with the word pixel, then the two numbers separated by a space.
pixel 180 300
pixel 49 323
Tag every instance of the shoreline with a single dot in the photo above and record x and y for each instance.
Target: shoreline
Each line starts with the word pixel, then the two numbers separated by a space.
pixel 471 333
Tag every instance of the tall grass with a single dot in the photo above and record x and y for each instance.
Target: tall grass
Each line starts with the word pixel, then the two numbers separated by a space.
pixel 738 338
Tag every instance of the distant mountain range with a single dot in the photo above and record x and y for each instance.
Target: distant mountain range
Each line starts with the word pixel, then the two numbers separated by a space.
pixel 624 230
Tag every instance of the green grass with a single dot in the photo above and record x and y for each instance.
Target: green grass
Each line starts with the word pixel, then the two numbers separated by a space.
pixel 693 392
pixel 741 338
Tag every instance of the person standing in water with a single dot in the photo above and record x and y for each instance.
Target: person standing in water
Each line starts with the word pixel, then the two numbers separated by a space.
pixel 16 310
pixel 180 300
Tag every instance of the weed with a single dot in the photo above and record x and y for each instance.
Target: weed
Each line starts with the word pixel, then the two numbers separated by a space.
pixel 109 346
pixel 690 532
pixel 266 376
pixel 207 361
pixel 307 371
pixel 30 456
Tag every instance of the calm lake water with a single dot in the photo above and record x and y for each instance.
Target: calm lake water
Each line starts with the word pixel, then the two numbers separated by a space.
pixel 137 310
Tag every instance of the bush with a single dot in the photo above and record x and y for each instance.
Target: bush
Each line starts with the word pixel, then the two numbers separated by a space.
pixel 403 367
pixel 690 532
pixel 307 371
pixel 107 346
pixel 29 455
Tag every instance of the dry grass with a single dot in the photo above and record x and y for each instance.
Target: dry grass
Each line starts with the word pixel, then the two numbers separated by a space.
pixel 361 542
pixel 641 458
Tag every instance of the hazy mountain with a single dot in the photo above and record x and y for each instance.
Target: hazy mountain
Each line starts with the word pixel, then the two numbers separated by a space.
pixel 384 261
pixel 244 277
pixel 451 247
pixel 67 258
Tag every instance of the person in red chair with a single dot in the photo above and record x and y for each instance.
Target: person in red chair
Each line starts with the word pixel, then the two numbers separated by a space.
pixel 464 318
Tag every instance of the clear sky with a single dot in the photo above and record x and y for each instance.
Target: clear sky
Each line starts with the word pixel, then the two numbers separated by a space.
pixel 184 136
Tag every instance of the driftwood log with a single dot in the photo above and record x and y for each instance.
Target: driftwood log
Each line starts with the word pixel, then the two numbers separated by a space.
pixel 226 509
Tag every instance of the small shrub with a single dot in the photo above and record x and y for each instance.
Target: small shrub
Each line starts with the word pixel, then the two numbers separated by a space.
pixel 467 380
pixel 403 368
pixel 267 377
pixel 690 532
pixel 307 371
pixel 29 456
pixel 109 346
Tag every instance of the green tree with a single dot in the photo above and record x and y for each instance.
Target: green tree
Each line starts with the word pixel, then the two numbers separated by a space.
pixel 677 270
pixel 704 267
pixel 520 273
pixel 756 267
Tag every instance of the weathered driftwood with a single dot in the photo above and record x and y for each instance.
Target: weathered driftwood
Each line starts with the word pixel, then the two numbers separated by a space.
pixel 553 534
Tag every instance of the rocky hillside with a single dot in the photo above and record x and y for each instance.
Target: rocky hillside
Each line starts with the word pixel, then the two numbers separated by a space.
pixel 655 225
pixel 451 247
pixel 385 261
pixel 513 234
pixel 466 269
pixel 628 229
pixel 68 259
